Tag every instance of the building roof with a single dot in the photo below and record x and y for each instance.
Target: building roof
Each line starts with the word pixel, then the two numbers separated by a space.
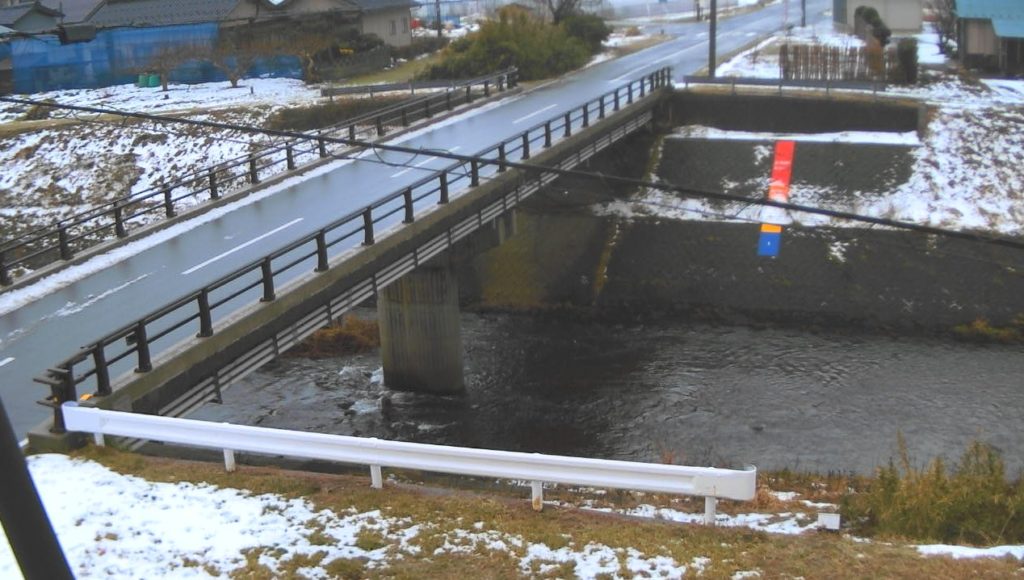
pixel 12 14
pixel 74 10
pixel 161 12
pixel 372 5
pixel 1007 28
pixel 990 9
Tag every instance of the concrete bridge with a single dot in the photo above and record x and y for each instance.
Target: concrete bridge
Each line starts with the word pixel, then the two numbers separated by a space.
pixel 398 248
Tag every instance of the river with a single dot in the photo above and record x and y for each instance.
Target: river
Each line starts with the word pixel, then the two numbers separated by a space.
pixel 671 390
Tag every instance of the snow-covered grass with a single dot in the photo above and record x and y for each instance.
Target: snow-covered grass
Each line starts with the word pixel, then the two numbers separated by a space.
pixel 966 171
pixel 173 524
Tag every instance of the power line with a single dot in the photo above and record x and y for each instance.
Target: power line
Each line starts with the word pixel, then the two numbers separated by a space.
pixel 541 169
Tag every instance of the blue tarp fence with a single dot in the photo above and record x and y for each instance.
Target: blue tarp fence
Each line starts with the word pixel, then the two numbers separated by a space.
pixel 117 56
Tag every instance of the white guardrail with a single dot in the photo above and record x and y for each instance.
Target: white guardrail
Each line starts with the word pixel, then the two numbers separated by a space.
pixel 709 482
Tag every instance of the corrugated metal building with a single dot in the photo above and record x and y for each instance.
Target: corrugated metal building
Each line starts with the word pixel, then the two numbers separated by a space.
pixel 990 34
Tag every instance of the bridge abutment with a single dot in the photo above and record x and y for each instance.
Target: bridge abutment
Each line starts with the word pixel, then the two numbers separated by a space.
pixel 420 332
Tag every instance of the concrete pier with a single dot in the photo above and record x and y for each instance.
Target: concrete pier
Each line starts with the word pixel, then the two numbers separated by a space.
pixel 420 334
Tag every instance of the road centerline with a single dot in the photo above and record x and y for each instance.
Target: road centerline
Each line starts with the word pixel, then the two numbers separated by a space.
pixel 535 113
pixel 241 246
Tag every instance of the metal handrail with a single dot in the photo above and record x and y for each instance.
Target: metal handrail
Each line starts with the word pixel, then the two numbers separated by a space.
pixel 61 240
pixel 138 336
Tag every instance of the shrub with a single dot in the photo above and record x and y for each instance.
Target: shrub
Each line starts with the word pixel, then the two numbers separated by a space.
pixel 588 28
pixel 518 39
pixel 326 114
pixel 906 56
pixel 871 17
pixel 972 503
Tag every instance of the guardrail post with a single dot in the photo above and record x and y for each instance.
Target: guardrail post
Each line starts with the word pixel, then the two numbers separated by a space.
pixel 568 125
pixel 119 230
pixel 600 107
pixel 321 252
pixel 643 85
pixel 617 107
pixel 474 173
pixel 407 198
pixel 289 155
pixel 426 109
pixel 405 118
pixel 322 145
pixel 99 360
pixel 267 273
pixel 64 392
pixel 629 93
pixel 526 146
pixel 443 178
pixel 710 506
pixel 62 240
pixel 380 127
pixel 487 88
pixel 501 83
pixel 5 274
pixel 537 493
pixel 229 460
pixel 448 100
pixel 351 132
pixel 469 94
pixel 586 115
pixel 254 176
pixel 376 477
pixel 205 316
pixel 142 348
pixel 368 227
pixel 501 157
pixel 547 134
pixel 168 203
pixel 214 192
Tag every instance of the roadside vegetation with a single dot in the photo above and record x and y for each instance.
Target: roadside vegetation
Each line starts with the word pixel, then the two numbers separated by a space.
pixel 518 38
pixel 325 114
pixel 351 335
pixel 418 531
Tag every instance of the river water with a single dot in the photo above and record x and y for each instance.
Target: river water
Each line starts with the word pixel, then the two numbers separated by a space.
pixel 677 391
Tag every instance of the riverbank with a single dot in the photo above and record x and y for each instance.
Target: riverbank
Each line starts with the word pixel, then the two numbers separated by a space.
pixel 197 523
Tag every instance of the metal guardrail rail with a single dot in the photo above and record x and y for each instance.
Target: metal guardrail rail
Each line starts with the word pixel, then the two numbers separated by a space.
pixel 91 365
pixel 708 482
pixel 411 86
pixel 60 241
pixel 828 85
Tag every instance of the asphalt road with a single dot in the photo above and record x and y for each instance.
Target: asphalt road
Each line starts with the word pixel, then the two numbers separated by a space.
pixel 45 330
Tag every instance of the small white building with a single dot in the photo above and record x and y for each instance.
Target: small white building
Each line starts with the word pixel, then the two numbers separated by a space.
pixel 901 16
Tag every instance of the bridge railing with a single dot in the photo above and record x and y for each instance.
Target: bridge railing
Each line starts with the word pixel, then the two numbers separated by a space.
pixel 780 83
pixel 708 482
pixel 61 240
pixel 133 345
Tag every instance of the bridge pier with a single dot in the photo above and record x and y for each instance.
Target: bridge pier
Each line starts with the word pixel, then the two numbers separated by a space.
pixel 420 333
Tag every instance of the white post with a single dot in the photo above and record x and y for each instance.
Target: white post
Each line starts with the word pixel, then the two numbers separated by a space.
pixel 229 460
pixel 710 505
pixel 97 438
pixel 376 479
pixel 538 495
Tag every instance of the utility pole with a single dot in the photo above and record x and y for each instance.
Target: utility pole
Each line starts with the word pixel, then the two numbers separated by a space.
pixel 437 16
pixel 28 530
pixel 711 38
pixel 803 13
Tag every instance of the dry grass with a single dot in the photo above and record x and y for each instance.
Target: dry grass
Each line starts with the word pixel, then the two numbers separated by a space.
pixel 404 72
pixel 352 335
pixel 442 511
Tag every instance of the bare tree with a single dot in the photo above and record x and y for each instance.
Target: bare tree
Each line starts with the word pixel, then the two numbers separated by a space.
pixel 168 57
pixel 562 9
pixel 945 21
pixel 237 50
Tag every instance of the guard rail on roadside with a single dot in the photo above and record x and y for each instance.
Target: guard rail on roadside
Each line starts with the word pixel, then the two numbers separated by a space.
pixel 91 365
pixel 828 85
pixel 60 241
pixel 708 482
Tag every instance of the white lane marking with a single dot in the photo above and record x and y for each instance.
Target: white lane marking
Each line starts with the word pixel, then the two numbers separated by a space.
pixel 636 72
pixel 73 308
pixel 6 361
pixel 424 162
pixel 241 247
pixel 535 113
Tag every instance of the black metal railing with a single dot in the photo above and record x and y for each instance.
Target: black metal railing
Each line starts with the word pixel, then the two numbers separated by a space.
pixel 61 240
pixel 780 83
pixel 134 342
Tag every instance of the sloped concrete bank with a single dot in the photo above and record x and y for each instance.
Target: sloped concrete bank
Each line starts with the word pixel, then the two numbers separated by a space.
pixel 564 255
